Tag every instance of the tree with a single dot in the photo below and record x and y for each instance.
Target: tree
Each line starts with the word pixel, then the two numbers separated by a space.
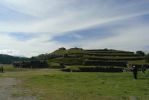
pixel 140 53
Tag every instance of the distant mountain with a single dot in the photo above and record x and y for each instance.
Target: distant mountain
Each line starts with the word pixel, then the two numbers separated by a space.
pixel 7 59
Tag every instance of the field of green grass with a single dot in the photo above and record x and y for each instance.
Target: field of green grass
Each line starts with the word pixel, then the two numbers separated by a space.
pixel 49 84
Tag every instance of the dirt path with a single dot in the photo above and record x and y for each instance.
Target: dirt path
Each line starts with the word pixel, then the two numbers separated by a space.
pixel 9 91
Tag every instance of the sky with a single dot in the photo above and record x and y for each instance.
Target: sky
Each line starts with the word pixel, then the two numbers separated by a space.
pixel 32 27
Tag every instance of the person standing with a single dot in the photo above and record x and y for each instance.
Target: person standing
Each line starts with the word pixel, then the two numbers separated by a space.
pixel 135 71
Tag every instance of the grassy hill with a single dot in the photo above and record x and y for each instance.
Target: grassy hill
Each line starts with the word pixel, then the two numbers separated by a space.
pixel 80 56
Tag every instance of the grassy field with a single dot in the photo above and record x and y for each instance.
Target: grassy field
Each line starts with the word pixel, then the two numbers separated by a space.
pixel 56 85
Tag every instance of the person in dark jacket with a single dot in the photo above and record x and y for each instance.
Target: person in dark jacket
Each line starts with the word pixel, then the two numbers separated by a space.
pixel 135 71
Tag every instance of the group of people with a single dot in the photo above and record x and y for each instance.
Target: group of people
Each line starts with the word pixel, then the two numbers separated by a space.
pixel 134 69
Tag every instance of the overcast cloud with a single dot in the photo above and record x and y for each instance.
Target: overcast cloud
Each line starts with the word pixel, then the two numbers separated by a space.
pixel 32 27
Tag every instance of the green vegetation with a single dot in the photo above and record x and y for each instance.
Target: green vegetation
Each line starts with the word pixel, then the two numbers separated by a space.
pixel 92 69
pixel 63 51
pixel 67 61
pixel 99 55
pixel 57 85
pixel 138 62
pixel 51 83
pixel 7 59
pixel 147 58
pixel 54 65
pixel 9 68
pixel 140 53
pixel 78 56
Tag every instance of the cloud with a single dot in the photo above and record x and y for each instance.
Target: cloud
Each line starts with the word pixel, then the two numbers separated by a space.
pixel 10 52
pixel 132 37
pixel 56 17
pixel 31 47
pixel 31 26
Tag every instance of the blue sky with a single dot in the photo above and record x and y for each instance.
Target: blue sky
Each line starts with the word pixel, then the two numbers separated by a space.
pixel 32 27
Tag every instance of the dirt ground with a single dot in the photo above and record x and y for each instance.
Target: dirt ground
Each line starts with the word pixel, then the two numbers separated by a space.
pixel 10 91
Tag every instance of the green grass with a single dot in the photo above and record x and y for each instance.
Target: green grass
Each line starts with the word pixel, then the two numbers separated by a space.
pixel 9 68
pixel 138 62
pixel 71 61
pixel 57 85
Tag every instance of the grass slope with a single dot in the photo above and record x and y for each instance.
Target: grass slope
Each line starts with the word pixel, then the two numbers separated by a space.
pixel 74 55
